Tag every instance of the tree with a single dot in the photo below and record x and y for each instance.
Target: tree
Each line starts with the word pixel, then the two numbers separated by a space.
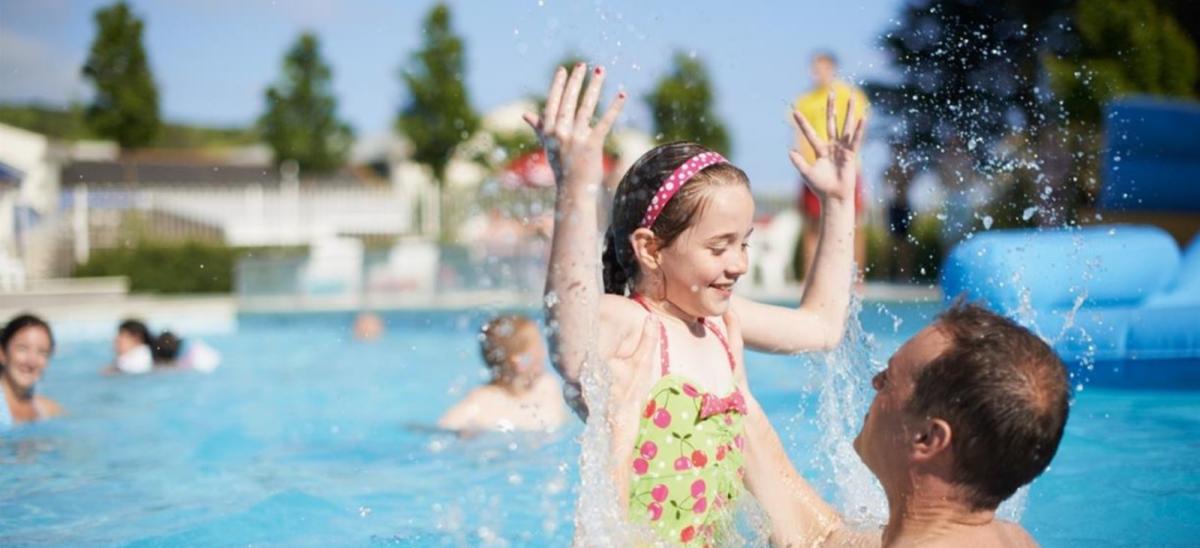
pixel 125 105
pixel 438 114
pixel 301 122
pixel 682 103
pixel 1125 46
pixel 969 71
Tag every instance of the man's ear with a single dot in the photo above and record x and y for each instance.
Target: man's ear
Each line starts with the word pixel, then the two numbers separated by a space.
pixel 646 247
pixel 930 439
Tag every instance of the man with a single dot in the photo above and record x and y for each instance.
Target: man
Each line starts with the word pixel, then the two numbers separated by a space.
pixel 966 412
pixel 812 106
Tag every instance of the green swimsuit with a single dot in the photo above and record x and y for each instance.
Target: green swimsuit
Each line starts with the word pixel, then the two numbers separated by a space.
pixel 687 461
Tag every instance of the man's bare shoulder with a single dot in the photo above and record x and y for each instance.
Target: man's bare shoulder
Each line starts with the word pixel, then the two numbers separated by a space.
pixel 1013 534
pixel 997 534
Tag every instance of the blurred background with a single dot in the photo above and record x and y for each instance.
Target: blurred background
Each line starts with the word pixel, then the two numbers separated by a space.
pixel 337 195
pixel 312 154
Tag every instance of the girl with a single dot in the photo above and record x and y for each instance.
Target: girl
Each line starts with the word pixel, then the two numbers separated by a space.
pixel 676 246
pixel 26 344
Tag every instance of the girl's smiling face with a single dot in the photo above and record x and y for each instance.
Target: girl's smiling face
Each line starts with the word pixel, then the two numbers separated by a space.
pixel 26 355
pixel 702 264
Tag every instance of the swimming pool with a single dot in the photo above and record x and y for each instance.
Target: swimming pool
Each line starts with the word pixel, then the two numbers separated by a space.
pixel 306 437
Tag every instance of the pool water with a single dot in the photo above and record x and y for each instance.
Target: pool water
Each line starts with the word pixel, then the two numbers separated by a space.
pixel 306 437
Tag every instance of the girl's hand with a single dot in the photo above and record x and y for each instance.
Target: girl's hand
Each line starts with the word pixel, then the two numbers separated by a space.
pixel 573 146
pixel 632 378
pixel 834 172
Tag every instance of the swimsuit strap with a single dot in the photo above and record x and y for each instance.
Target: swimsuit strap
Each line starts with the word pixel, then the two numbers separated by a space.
pixel 662 334
pixel 724 342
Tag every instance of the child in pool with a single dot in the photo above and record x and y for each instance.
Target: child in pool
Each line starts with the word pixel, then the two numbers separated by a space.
pixel 520 396
pixel 171 352
pixel 26 344
pixel 681 218
pixel 132 352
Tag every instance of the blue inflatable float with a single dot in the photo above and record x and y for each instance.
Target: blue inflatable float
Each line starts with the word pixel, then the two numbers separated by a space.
pixel 1120 303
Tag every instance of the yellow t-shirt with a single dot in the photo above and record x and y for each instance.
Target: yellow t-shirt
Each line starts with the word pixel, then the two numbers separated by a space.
pixel 811 106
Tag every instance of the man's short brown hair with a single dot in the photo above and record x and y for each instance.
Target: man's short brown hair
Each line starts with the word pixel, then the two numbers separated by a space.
pixel 1004 393
pixel 506 336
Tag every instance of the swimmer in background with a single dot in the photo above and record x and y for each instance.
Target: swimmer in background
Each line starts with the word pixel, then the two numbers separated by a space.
pixel 368 326
pixel 131 347
pixel 521 395
pixel 171 352
pixel 26 345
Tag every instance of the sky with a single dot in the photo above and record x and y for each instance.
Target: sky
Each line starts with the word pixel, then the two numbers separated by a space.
pixel 214 59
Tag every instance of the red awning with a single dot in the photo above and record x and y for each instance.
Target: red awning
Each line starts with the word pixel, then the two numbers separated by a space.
pixel 532 170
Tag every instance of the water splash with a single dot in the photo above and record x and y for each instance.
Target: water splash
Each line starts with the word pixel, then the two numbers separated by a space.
pixel 844 396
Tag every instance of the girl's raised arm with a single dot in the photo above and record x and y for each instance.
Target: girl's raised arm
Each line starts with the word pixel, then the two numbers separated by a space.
pixel 820 320
pixel 574 148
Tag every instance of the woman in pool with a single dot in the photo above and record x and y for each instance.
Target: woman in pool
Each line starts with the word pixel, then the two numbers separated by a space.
pixel 26 345
pixel 520 396
pixel 676 246
pixel 131 350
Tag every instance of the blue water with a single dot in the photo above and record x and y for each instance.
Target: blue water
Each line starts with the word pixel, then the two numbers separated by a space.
pixel 305 437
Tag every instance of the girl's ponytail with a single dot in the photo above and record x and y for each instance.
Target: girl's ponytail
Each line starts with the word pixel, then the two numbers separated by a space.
pixel 616 280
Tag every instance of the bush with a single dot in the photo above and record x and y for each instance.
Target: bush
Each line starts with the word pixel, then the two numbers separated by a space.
pixel 189 267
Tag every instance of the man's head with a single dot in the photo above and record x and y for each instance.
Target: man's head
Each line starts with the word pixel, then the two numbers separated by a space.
pixel 512 350
pixel 973 399
pixel 824 68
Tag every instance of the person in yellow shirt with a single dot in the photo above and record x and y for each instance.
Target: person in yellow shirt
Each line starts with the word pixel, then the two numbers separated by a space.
pixel 811 106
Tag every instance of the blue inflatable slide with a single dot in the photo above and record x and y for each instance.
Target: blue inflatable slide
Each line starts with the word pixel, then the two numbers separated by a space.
pixel 1120 303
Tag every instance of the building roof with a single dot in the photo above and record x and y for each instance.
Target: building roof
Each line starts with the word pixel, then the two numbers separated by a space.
pixel 10 175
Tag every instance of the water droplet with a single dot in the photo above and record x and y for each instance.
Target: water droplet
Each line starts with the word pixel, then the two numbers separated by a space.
pixel 364 511
pixel 987 222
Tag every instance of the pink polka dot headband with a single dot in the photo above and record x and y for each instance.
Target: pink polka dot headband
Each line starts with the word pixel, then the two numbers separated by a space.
pixel 672 184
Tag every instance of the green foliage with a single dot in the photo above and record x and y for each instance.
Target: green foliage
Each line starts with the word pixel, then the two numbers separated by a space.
pixel 190 267
pixel 125 106
pixel 69 124
pixel 968 69
pixel 1126 46
pixel 438 114
pixel 682 103
pixel 301 122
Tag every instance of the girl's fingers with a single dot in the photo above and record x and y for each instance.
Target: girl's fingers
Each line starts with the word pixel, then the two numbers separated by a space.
pixel 830 119
pixel 534 122
pixel 859 130
pixel 554 99
pixel 566 110
pixel 810 134
pixel 610 116
pixel 583 118
pixel 800 163
pixel 849 122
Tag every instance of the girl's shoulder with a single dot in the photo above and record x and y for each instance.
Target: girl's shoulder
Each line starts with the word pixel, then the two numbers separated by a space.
pixel 621 320
pixel 618 311
pixel 47 407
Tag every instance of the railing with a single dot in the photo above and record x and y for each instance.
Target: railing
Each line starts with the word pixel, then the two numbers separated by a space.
pixel 248 215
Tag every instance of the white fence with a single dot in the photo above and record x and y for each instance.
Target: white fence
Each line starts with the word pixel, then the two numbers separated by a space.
pixel 260 215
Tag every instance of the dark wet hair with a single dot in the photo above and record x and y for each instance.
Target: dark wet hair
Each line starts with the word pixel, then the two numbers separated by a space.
pixel 137 329
pixel 19 323
pixel 165 347
pixel 637 187
pixel 1004 393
